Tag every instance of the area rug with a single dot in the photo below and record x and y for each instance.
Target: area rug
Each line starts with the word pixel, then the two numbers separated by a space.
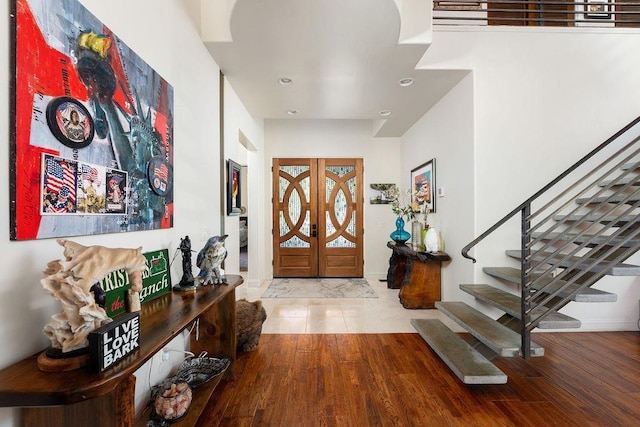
pixel 319 288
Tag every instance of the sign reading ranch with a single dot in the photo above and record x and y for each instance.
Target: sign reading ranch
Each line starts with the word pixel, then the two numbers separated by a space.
pixel 156 281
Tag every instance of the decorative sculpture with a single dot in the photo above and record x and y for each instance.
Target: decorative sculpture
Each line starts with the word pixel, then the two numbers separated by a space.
pixel 249 319
pixel 187 281
pixel 210 259
pixel 70 282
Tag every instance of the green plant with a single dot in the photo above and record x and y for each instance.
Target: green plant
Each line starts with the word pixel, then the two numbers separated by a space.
pixel 408 211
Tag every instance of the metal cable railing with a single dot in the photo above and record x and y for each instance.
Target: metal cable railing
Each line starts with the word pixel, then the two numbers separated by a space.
pixel 577 228
pixel 590 13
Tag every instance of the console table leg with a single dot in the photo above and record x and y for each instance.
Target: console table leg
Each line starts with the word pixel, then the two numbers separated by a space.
pixel 115 409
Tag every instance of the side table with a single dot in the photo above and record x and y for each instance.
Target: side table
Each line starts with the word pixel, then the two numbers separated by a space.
pixel 416 274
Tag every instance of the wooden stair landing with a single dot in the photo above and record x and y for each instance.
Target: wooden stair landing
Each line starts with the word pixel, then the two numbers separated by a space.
pixel 466 362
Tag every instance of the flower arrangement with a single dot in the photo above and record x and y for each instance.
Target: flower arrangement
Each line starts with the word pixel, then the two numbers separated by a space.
pixel 408 211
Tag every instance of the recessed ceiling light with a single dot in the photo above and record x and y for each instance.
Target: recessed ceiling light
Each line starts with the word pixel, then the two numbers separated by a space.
pixel 406 82
pixel 385 113
pixel 285 81
pixel 292 112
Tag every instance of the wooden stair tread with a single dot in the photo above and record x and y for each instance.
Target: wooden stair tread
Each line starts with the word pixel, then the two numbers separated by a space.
pixel 584 295
pixel 466 362
pixel 510 304
pixel 494 335
pixel 604 267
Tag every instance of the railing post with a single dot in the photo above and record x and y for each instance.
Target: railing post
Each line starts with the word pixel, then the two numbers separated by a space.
pixel 525 264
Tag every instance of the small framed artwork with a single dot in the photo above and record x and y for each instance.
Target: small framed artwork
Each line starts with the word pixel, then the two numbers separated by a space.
pixel 597 9
pixel 423 185
pixel 233 188
pixel 382 194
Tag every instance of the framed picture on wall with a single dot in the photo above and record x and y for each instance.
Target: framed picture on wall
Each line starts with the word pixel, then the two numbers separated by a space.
pixel 234 200
pixel 91 128
pixel 423 185
pixel 597 9
pixel 382 194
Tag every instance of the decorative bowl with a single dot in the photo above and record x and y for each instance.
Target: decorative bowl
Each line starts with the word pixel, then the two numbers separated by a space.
pixel 198 370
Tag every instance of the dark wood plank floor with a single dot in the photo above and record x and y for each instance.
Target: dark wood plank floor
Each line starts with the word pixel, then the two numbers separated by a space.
pixel 584 379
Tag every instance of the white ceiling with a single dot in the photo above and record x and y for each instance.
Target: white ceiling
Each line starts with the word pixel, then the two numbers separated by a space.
pixel 345 58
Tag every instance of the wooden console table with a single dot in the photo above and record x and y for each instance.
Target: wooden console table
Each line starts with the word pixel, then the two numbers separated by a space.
pixel 82 398
pixel 416 274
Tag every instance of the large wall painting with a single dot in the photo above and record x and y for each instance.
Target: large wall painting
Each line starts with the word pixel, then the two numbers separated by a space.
pixel 92 136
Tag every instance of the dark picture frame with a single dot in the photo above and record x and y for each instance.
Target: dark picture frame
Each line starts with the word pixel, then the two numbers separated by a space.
pixel 597 9
pixel 234 186
pixel 423 185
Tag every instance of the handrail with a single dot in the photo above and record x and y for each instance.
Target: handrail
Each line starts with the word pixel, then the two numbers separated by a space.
pixel 587 223
pixel 490 230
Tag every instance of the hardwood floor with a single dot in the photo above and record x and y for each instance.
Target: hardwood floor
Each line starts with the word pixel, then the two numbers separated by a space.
pixel 584 379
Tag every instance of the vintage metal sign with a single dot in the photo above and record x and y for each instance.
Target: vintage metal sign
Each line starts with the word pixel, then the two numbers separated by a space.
pixel 156 281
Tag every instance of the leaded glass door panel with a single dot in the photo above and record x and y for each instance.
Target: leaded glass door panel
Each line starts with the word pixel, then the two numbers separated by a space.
pixel 340 199
pixel 317 213
pixel 295 243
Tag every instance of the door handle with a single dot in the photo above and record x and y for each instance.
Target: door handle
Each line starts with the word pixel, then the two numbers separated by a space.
pixel 314 230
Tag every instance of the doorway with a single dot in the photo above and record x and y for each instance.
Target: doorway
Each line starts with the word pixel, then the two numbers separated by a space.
pixel 317 218
pixel 244 221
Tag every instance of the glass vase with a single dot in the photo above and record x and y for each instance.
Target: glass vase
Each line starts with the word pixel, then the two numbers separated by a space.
pixel 416 235
pixel 400 235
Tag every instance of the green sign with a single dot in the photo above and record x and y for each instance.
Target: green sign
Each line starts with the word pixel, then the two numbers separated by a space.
pixel 156 281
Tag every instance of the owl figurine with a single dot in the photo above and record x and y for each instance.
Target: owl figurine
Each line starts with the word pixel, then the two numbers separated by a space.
pixel 210 259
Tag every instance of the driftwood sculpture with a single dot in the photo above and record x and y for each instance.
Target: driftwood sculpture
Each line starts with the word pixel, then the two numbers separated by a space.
pixel 70 281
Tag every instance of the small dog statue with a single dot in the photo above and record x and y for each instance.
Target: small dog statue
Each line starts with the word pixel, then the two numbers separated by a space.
pixel 249 319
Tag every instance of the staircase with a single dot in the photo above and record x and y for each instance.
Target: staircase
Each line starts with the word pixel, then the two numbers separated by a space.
pixel 577 229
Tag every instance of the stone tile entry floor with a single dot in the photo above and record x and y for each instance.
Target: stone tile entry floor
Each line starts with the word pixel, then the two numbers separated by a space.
pixel 384 314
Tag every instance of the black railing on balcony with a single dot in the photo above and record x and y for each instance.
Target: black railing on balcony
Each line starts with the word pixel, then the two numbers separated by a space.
pixel 556 13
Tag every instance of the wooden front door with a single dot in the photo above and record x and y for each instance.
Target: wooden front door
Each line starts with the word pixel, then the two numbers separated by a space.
pixel 317 218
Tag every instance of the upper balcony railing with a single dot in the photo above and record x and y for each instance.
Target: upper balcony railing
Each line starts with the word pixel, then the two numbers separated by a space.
pixel 555 13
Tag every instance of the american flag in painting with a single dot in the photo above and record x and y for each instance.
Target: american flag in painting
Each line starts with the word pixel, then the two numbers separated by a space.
pixel 60 178
pixel 90 173
pixel 162 172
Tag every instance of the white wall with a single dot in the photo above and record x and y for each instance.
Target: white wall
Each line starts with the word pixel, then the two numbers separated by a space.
pixel 446 135
pixel 237 120
pixel 164 36
pixel 542 98
pixel 339 138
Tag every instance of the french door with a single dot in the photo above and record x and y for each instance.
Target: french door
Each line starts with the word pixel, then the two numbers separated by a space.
pixel 317 218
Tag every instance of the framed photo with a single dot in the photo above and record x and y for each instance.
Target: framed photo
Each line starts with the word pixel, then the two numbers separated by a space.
pixel 233 188
pixel 597 9
pixel 423 185
pixel 382 194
